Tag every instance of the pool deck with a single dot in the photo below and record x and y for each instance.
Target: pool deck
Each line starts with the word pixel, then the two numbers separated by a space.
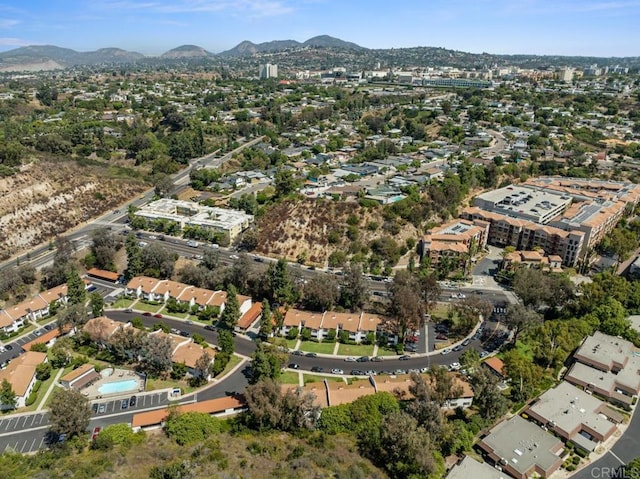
pixel 93 390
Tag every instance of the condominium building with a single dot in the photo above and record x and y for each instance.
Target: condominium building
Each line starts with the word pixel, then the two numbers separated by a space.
pixel 455 239
pixel 268 70
pixel 187 213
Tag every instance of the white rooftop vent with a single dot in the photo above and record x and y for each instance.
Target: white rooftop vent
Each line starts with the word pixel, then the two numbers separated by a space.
pixel 518 452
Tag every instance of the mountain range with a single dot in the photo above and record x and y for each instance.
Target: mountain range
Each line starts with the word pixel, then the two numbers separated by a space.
pixel 327 50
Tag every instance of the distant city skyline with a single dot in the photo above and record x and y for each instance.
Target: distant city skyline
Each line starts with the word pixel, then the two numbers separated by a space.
pixel 601 28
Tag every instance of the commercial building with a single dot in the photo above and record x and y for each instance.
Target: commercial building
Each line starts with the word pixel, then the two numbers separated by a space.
pixel 454 240
pixel 521 448
pixel 575 416
pixel 228 222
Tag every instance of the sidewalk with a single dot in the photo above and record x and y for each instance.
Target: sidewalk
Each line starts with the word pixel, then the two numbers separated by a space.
pixel 54 384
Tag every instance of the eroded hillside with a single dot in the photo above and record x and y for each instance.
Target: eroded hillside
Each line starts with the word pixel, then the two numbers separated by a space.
pixel 313 229
pixel 47 199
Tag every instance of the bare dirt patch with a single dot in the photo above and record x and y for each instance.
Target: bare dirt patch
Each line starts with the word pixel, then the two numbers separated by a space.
pixel 48 199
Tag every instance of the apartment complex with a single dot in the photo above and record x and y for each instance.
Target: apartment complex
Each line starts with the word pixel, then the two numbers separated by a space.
pixel 454 240
pixel 187 213
pixel 564 217
pixel 268 70
pixel 14 317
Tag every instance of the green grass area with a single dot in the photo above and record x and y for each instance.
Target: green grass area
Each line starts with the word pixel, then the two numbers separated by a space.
pixel 440 311
pixel 355 350
pixel 314 378
pixel 291 344
pixel 123 302
pixel 524 350
pixel 44 387
pixel 290 377
pixel 233 362
pixel 387 352
pixel 26 329
pixel 322 348
pixel 178 315
pixel 151 308
pixel 46 320
pixel 155 384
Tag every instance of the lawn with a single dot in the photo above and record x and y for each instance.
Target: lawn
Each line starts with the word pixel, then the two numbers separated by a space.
pixel 440 312
pixel 151 308
pixel 178 315
pixel 44 387
pixel 233 361
pixel 155 384
pixel 387 352
pixel 355 349
pixel 322 348
pixel 123 303
pixel 291 344
pixel 314 378
pixel 290 377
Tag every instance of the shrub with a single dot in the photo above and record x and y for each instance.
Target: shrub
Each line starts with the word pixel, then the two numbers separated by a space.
pixel 33 397
pixel 292 333
pixel 117 434
pixel 191 427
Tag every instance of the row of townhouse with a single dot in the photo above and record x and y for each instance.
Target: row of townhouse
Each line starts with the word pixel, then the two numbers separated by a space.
pixel 609 367
pixel 13 318
pixel 332 393
pixel 455 240
pixel 160 290
pixel 357 324
pixel 21 375
pixel 183 350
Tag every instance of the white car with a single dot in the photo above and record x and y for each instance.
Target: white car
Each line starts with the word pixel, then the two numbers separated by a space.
pixel 455 367
pixel 337 371
pixel 445 351
pixel 350 359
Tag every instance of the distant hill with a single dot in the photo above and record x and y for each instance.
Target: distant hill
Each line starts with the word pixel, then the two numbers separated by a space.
pixel 248 48
pixel 50 57
pixel 187 51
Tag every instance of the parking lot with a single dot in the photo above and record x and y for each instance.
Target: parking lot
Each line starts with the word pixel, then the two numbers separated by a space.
pixel 114 406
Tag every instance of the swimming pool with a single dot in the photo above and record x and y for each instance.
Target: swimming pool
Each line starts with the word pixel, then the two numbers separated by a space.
pixel 118 387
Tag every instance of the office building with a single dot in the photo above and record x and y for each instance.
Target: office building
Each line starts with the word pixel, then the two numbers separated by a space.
pixel 268 70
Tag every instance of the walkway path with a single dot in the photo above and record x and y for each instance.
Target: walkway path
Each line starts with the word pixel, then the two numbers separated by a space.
pixel 54 384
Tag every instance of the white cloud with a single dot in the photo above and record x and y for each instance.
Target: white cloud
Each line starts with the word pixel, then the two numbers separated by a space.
pixel 251 8
pixel 8 22
pixel 14 42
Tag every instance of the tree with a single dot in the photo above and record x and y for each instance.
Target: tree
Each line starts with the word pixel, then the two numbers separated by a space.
pixel 126 343
pixel 157 261
pixel 553 341
pixel 403 448
pixel 69 412
pixel 231 312
pixel 74 316
pixel 266 321
pixel 203 367
pixel 43 371
pixel 279 286
pixel 488 399
pixel 429 289
pixel 8 399
pixel 156 354
pixel 268 408
pixel 225 342
pixel 531 286
pixel 525 376
pixel 353 288
pixel 76 291
pixel 321 293
pixel 284 183
pixel 116 435
pixel 97 304
pixel 406 308
pixel 470 359
pixel 104 245
pixel 191 427
pixel 520 319
pixel 266 363
pixel 135 265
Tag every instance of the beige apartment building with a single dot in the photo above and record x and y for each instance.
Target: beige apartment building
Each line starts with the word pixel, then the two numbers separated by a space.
pixel 455 240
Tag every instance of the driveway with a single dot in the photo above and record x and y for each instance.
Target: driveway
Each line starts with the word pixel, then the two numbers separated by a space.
pixel 490 264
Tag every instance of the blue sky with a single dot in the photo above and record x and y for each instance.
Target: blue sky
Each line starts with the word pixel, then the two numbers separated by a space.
pixel 563 27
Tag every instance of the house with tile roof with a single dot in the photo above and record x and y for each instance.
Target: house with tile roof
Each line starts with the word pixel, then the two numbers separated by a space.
pixel 21 374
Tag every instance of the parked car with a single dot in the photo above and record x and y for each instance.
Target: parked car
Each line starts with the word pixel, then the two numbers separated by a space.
pixel 337 371
pixel 370 372
pixel 124 404
pixel 357 372
pixel 185 334
pixel 157 315
pixel 94 408
pixel 102 408
pixel 376 359
pixel 350 359
pixel 445 351
pixel 128 310
pixel 132 401
pixel 210 327
pixel 48 327
pixel 457 348
pixel 146 313
pixel 454 366
pixel 363 359
pixel 311 355
pixel 466 342
pixel 404 357
pixel 297 353
pixel 8 346
pixel 317 369
pixel 96 431
pixel 294 366
pixel 484 354
pixel 442 337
